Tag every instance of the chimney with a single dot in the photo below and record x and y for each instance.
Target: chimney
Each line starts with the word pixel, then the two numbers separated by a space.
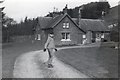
pixel 79 16
pixel 65 9
pixel 55 12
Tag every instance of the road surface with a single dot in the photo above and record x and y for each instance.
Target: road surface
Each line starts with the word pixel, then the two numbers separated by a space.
pixel 30 65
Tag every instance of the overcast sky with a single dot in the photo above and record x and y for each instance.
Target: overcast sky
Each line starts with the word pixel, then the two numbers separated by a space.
pixel 18 9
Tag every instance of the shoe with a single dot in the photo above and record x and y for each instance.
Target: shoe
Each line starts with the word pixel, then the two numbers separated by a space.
pixel 50 66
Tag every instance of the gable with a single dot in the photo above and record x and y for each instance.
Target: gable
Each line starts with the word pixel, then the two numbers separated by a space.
pixel 67 17
pixel 71 24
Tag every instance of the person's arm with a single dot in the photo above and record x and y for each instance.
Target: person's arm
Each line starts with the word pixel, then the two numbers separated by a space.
pixel 55 47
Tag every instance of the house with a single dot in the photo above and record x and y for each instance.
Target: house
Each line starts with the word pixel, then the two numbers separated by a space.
pixel 71 31
pixel 96 30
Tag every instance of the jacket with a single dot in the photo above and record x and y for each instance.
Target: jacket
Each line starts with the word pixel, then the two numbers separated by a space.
pixel 50 43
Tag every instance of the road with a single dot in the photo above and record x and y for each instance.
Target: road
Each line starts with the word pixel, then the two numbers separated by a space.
pixel 30 65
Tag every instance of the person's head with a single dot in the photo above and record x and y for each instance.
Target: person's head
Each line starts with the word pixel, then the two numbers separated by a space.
pixel 51 35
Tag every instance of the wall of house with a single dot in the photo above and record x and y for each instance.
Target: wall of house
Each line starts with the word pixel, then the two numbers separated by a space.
pixel 107 36
pixel 95 37
pixel 89 37
pixel 75 33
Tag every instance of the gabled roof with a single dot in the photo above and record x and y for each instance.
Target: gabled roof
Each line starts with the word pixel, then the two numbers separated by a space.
pixel 50 22
pixel 85 25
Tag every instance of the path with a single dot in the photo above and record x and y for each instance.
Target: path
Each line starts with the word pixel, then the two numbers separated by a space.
pixel 30 65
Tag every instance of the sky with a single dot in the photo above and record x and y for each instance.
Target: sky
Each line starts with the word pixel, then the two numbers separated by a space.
pixel 19 9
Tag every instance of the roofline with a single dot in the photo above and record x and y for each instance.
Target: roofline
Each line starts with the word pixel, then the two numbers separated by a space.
pixel 70 19
pixel 101 31
pixel 75 23
pixel 93 19
pixel 114 6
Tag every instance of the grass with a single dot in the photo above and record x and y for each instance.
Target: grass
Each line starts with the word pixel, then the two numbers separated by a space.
pixel 85 59
pixel 96 62
pixel 11 51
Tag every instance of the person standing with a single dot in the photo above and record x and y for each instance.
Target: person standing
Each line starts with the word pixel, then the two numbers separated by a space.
pixel 50 46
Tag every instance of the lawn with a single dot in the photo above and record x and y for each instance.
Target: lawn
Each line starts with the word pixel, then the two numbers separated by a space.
pixel 98 62
pixel 11 51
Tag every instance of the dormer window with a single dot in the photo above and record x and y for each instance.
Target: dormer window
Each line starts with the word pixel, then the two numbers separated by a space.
pixel 65 25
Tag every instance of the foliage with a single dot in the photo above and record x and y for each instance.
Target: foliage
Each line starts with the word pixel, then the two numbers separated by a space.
pixel 113 20
pixel 26 27
pixel 91 10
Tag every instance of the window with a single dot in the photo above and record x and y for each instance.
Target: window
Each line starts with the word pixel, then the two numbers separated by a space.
pixel 98 35
pixel 38 37
pixel 84 36
pixel 65 37
pixel 110 26
pixel 66 25
pixel 102 36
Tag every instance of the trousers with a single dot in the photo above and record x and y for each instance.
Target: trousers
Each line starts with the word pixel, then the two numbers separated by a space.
pixel 51 56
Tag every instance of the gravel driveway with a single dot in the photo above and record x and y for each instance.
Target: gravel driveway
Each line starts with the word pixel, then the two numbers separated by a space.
pixel 30 65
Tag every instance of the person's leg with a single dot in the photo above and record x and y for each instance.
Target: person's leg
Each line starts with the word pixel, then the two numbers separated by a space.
pixel 51 54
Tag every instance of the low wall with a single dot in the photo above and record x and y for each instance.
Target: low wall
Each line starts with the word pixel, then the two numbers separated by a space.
pixel 22 38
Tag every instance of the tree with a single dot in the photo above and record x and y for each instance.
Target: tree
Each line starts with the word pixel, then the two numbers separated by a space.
pixel 26 19
pixel 6 28
pixel 91 10
pixel 2 14
pixel 94 10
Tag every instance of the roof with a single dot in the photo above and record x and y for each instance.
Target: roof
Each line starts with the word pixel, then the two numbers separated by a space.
pixel 54 21
pixel 93 25
pixel 49 22
pixel 43 21
pixel 86 24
